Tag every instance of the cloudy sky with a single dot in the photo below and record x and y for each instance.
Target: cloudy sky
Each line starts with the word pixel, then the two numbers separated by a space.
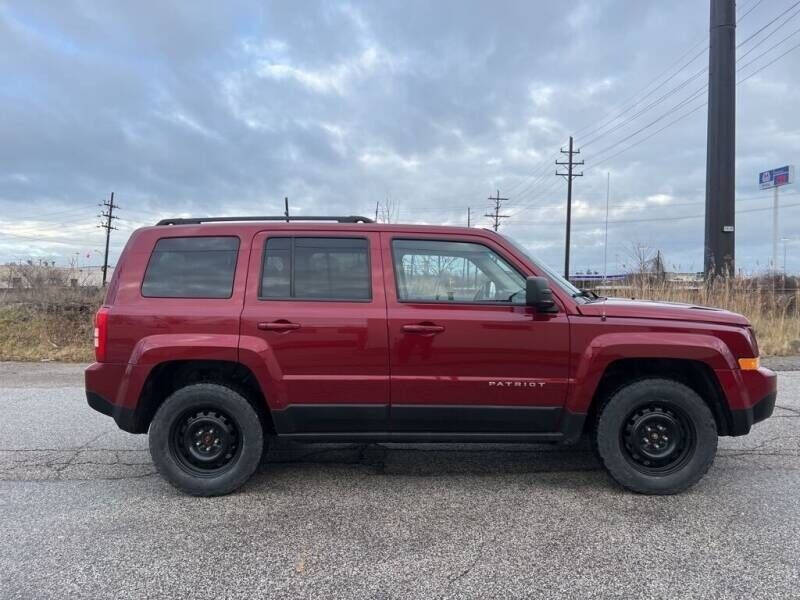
pixel 215 108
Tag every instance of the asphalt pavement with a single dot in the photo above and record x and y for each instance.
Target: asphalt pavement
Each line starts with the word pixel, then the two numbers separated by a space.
pixel 83 515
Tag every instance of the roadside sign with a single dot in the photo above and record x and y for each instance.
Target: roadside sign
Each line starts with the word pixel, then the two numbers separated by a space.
pixel 776 177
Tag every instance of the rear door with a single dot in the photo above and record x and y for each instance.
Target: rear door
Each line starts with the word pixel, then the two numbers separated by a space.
pixel 315 312
pixel 467 355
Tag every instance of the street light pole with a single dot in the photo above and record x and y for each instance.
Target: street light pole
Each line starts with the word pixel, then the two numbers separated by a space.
pixel 784 240
pixel 605 243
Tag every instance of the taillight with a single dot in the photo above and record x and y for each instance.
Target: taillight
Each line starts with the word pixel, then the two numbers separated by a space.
pixel 101 334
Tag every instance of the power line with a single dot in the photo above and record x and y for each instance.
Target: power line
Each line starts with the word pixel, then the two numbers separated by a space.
pixel 760 29
pixel 770 63
pixel 652 104
pixel 751 9
pixel 644 139
pixel 609 121
pixel 682 85
pixel 694 96
pixel 656 219
pixel 680 118
pixel 768 50
pixel 692 48
pixel 774 31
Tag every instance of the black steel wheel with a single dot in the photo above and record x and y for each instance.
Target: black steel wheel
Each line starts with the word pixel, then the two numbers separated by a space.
pixel 658 439
pixel 656 436
pixel 206 439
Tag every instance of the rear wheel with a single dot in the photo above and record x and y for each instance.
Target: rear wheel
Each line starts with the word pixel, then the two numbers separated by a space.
pixel 656 436
pixel 206 439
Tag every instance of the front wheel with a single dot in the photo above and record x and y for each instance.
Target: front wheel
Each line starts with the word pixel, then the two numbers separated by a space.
pixel 656 436
pixel 206 439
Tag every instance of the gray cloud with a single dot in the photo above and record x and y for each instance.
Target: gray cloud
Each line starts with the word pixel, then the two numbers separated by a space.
pixel 226 108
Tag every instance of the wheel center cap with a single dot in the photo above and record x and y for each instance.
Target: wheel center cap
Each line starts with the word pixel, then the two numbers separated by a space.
pixel 207 439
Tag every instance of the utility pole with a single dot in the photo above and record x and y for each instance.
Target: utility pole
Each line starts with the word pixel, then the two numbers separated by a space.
pixel 108 216
pixel 496 214
pixel 286 207
pixel 720 240
pixel 469 216
pixel 569 176
pixel 377 206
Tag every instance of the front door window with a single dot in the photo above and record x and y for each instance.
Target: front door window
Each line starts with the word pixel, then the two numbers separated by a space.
pixel 441 271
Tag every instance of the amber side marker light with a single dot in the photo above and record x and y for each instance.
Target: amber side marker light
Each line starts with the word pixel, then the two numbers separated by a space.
pixel 749 364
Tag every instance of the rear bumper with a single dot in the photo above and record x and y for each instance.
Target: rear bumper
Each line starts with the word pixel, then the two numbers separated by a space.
pixel 124 418
pixel 109 391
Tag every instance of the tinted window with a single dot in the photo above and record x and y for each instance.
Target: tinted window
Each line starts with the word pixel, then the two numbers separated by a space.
pixel 276 278
pixel 191 267
pixel 433 271
pixel 316 268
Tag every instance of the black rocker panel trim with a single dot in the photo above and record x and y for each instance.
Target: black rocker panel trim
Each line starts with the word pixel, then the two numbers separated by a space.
pixel 475 419
pixel 331 418
pixel 429 437
pixel 380 420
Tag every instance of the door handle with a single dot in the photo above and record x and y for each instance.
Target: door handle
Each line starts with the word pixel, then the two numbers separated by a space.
pixel 278 326
pixel 420 328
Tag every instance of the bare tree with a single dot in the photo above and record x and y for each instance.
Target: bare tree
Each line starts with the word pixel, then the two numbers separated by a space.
pixel 389 210
pixel 641 257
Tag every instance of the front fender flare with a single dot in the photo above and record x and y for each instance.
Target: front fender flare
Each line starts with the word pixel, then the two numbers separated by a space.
pixel 607 348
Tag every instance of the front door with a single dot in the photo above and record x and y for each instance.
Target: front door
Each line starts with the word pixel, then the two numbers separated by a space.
pixel 466 354
pixel 315 314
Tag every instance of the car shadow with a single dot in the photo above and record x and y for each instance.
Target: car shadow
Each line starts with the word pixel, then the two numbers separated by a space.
pixel 435 459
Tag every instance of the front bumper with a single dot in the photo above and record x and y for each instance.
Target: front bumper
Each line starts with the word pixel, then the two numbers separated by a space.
pixel 744 419
pixel 758 392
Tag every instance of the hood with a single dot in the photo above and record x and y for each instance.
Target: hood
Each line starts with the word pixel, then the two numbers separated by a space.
pixel 650 309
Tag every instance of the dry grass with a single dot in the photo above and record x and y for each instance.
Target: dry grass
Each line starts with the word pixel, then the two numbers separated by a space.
pixel 774 314
pixel 50 325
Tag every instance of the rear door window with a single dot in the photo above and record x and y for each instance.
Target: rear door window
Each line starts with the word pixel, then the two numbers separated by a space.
pixel 191 267
pixel 316 268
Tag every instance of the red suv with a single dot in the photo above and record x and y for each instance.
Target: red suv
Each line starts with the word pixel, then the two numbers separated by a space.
pixel 218 333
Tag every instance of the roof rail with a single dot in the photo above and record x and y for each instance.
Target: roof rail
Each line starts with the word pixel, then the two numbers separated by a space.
pixel 198 221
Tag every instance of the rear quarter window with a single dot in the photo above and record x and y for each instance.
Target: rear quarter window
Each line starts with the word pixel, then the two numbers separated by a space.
pixel 191 267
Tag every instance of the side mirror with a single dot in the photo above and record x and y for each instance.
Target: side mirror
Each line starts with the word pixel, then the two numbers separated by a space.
pixel 539 295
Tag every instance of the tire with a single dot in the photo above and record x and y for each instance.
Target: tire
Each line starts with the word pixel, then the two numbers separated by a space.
pixel 206 439
pixel 656 436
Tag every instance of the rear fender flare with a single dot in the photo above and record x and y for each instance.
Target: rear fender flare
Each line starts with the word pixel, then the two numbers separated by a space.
pixel 153 350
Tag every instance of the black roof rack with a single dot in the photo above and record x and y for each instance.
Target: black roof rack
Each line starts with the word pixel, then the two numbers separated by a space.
pixel 198 221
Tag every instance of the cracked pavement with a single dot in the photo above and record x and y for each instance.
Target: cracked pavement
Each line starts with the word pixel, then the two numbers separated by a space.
pixel 85 516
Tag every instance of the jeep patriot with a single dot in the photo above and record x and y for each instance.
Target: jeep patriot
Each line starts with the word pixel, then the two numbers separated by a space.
pixel 217 334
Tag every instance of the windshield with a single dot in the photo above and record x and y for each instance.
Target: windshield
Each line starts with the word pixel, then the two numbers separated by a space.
pixel 550 273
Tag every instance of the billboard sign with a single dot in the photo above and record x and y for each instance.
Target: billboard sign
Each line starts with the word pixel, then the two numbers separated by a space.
pixel 776 177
